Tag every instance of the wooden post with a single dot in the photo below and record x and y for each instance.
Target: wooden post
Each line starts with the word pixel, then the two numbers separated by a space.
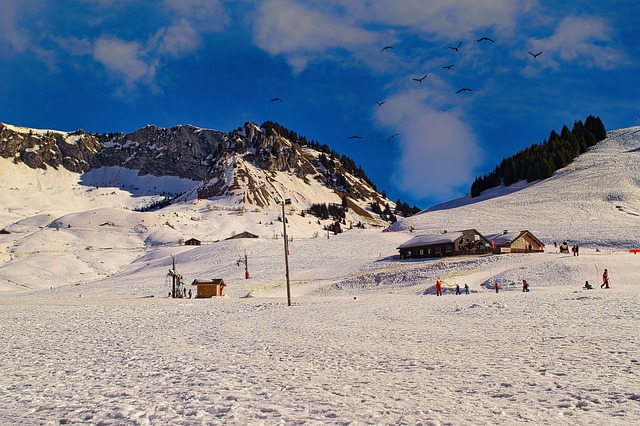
pixel 246 266
pixel 173 277
pixel 286 251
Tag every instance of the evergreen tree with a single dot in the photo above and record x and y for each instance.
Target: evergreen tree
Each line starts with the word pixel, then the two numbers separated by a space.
pixel 540 161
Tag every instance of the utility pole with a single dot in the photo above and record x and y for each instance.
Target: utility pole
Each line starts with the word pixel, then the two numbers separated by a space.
pixel 174 277
pixel 286 250
pixel 246 265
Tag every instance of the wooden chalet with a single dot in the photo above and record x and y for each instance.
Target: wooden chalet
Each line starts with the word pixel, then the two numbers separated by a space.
pixel 456 243
pixel 208 288
pixel 515 242
pixel 244 234
pixel 192 242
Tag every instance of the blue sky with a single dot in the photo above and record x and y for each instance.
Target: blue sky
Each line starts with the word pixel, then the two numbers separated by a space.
pixel 118 65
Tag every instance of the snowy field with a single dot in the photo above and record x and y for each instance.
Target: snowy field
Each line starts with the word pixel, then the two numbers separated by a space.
pixel 90 336
pixel 343 353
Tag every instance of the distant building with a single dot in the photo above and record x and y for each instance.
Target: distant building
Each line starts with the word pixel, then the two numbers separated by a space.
pixel 515 242
pixel 468 241
pixel 244 234
pixel 208 288
pixel 192 242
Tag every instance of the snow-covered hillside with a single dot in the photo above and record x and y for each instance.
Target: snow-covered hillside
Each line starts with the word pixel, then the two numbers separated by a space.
pixel 593 201
pixel 90 336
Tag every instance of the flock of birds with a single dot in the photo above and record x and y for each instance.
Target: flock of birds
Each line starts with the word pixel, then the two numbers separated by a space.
pixel 421 79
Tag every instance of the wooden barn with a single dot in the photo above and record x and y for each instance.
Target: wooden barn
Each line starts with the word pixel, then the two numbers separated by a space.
pixel 192 242
pixel 456 243
pixel 515 242
pixel 208 288
pixel 244 234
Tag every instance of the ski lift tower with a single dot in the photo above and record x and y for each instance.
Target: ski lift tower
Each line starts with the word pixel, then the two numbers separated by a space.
pixel 175 278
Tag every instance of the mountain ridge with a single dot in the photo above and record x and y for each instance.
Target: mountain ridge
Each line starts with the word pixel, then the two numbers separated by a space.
pixel 241 164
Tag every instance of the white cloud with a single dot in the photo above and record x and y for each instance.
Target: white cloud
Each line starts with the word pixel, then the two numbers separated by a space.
pixel 178 39
pixel 189 20
pixel 446 19
pixel 9 33
pixel 300 33
pixel 126 59
pixel 206 15
pixel 439 151
pixel 75 46
pixel 136 61
pixel 584 40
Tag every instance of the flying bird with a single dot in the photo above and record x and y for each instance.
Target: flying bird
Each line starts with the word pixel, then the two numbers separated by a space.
pixel 449 66
pixel 392 136
pixel 457 47
pixel 485 39
pixel 535 55
pixel 386 47
pixel 380 103
pixel 354 137
pixel 464 89
pixel 276 99
pixel 419 80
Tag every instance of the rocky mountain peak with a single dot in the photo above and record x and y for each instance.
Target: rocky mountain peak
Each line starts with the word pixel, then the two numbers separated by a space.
pixel 247 163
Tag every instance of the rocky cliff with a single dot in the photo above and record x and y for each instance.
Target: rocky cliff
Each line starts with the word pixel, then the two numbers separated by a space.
pixel 241 163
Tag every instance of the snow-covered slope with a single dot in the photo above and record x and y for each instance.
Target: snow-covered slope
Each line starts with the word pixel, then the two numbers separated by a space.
pixel 593 201
pixel 90 336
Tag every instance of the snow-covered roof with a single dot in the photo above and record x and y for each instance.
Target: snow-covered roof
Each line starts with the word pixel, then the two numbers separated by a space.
pixel 427 240
pixel 503 239
pixel 507 238
pixel 212 281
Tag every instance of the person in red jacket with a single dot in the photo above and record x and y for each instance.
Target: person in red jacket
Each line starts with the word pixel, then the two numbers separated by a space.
pixel 438 288
pixel 525 286
pixel 496 287
pixel 605 280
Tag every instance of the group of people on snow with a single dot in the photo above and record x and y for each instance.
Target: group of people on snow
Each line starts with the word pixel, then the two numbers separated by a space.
pixel 564 248
pixel 458 290
pixel 525 285
pixel 180 294
pixel 605 281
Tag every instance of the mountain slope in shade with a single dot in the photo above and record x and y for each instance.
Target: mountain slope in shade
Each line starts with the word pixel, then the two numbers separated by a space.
pixel 594 201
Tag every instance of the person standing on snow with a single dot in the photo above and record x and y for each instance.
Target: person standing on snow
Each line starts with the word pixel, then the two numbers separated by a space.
pixel 496 287
pixel 605 279
pixel 438 288
pixel 458 289
pixel 466 288
pixel 525 286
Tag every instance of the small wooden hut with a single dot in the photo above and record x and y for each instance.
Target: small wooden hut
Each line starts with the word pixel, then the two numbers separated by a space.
pixel 192 242
pixel 515 242
pixel 208 288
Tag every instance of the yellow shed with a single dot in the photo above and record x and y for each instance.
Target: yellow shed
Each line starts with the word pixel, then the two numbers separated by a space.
pixel 208 288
